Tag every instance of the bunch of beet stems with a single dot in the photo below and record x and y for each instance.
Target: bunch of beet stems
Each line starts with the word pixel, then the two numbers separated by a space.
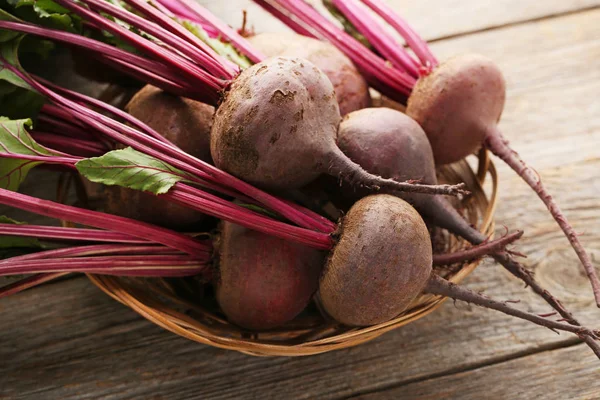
pixel 393 59
pixel 178 67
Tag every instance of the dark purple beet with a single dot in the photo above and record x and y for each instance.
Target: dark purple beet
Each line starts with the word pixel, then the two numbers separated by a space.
pixel 263 281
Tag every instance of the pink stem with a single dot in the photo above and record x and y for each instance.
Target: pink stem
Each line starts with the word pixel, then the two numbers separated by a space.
pixel 414 41
pixel 29 282
pixel 193 51
pixel 285 18
pixel 201 13
pixel 92 102
pixel 181 64
pixel 364 59
pixel 146 265
pixel 478 251
pixel 101 220
pixel 228 70
pixel 498 145
pixel 83 148
pixel 377 36
pixel 228 211
pixel 98 250
pixel 60 233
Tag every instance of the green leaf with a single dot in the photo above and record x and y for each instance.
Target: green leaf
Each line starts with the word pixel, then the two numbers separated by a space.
pixel 11 242
pixel 14 139
pixel 224 49
pixel 132 169
pixel 43 12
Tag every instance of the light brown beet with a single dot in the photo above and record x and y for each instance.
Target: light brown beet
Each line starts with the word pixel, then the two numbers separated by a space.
pixel 381 263
pixel 457 104
pixel 275 110
pixel 277 126
pixel 184 122
pixel 352 90
pixel 264 282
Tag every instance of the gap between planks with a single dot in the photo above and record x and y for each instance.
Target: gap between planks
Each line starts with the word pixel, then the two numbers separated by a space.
pixel 472 367
pixel 514 23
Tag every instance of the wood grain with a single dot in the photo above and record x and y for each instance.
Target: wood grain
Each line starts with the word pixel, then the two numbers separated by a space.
pixel 433 19
pixel 69 341
pixel 558 375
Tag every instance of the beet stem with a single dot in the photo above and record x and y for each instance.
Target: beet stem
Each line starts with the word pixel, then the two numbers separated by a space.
pixel 477 251
pixel 102 220
pixel 414 41
pixel 60 233
pixel 145 265
pixel 29 282
pixel 194 9
pixel 447 217
pixel 377 36
pixel 354 174
pixel 286 19
pixel 371 64
pixel 496 143
pixel 442 287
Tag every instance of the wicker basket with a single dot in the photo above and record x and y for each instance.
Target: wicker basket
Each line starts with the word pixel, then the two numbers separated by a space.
pixel 309 333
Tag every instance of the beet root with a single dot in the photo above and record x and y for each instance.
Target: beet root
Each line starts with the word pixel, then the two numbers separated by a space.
pixel 184 122
pixel 277 126
pixel 351 89
pixel 264 282
pixel 380 265
pixel 456 105
pixel 459 105
pixel 355 135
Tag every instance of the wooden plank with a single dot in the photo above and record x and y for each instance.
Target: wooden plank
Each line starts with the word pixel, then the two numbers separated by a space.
pixel 69 341
pixel 433 19
pixel 561 374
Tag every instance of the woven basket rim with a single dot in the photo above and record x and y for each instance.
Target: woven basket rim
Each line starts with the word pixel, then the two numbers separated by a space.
pixel 310 341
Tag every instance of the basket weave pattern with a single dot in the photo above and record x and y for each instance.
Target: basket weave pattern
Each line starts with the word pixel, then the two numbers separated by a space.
pixel 310 333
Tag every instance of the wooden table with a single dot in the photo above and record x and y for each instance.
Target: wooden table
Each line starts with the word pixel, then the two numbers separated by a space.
pixel 67 340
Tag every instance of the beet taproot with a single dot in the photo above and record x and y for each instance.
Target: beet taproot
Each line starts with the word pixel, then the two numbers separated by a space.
pixel 381 263
pixel 351 89
pixel 264 281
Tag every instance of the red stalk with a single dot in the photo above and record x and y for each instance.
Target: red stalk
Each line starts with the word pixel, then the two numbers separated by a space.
pixel 194 53
pixel 60 233
pixel 146 265
pixel 286 19
pixel 377 36
pixel 414 41
pixel 193 72
pixel 29 282
pixel 100 220
pixel 83 148
pixel 197 12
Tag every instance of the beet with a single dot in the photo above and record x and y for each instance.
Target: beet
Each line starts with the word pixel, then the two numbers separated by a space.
pixel 381 263
pixel 351 89
pixel 276 129
pixel 264 281
pixel 184 122
pixel 457 104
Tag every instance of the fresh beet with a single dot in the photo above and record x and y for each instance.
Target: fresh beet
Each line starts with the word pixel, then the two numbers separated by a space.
pixel 407 155
pixel 276 129
pixel 380 264
pixel 457 105
pixel 351 89
pixel 458 102
pixel 263 281
pixel 184 122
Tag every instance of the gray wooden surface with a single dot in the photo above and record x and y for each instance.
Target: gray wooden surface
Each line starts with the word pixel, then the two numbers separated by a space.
pixel 68 341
